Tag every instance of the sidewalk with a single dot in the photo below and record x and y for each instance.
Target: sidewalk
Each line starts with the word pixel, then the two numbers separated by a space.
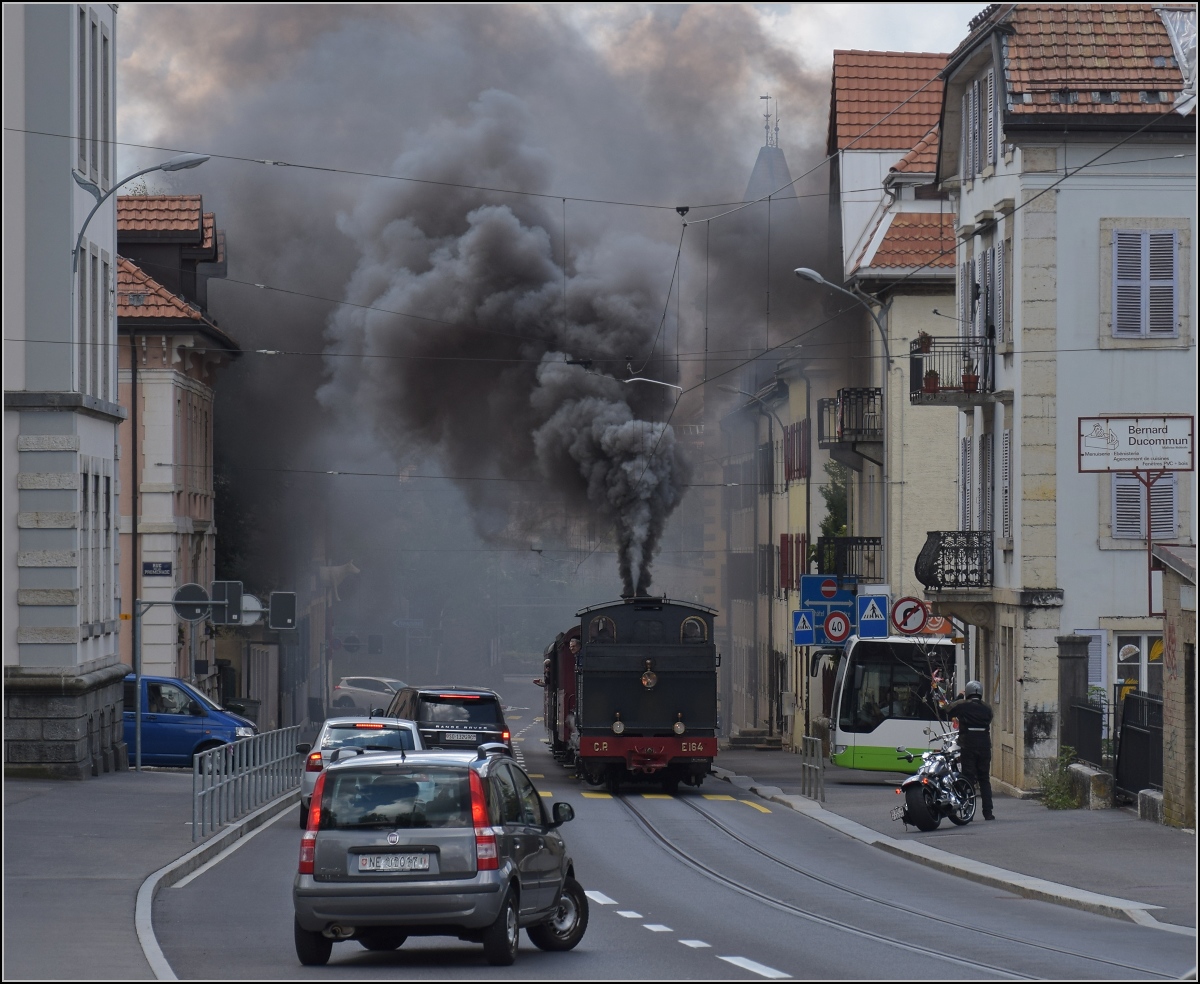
pixel 1067 856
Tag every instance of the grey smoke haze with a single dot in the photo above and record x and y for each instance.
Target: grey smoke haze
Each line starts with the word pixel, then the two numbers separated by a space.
pixel 654 104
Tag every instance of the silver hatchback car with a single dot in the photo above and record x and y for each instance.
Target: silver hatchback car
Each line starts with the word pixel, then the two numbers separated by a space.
pixel 434 844
pixel 374 734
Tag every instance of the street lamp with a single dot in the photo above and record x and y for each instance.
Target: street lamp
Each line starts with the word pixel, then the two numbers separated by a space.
pixel 179 162
pixel 656 382
pixel 805 273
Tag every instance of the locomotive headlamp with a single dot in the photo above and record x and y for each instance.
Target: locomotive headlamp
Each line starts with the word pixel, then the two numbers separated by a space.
pixel 649 678
pixel 679 727
pixel 618 725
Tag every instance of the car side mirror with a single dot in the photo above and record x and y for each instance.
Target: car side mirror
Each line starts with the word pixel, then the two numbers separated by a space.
pixel 562 813
pixel 194 708
pixel 304 748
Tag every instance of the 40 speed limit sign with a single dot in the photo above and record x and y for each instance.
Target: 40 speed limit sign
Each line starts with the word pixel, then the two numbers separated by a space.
pixel 837 626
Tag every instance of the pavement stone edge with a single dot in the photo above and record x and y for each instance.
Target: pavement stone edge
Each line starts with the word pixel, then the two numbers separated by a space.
pixel 987 874
pixel 181 867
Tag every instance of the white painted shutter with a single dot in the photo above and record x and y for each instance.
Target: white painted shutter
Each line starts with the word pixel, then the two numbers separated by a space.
pixel 1162 292
pixel 1164 515
pixel 1001 322
pixel 1006 485
pixel 1128 507
pixel 981 309
pixel 964 299
pixel 973 303
pixel 986 478
pixel 990 87
pixel 964 153
pixel 964 486
pixel 974 127
pixel 1097 644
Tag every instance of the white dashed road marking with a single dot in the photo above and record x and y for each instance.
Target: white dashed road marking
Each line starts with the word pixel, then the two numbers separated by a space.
pixel 629 914
pixel 761 969
pixel 600 898
pixel 657 928
pixel 695 944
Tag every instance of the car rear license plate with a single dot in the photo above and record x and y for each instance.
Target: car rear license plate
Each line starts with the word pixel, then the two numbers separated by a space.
pixel 898 813
pixel 460 736
pixel 393 862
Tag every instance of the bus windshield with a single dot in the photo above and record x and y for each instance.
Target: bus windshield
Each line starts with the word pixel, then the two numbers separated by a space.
pixel 890 681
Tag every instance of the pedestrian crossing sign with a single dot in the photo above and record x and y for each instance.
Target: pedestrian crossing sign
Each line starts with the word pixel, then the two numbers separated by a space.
pixel 804 627
pixel 872 616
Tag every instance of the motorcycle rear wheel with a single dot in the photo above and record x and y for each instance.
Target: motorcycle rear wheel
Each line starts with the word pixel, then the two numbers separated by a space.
pixel 921 808
pixel 965 790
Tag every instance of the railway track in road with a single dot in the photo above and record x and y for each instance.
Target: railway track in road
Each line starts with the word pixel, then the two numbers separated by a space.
pixel 665 841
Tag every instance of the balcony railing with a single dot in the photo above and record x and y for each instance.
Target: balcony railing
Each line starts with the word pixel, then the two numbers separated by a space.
pixel 956 559
pixel 854 416
pixel 950 370
pixel 850 556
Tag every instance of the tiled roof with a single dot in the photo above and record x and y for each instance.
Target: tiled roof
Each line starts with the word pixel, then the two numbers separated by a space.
pixel 1072 58
pixel 210 226
pixel 164 215
pixel 871 85
pixel 141 296
pixel 922 159
pixel 913 239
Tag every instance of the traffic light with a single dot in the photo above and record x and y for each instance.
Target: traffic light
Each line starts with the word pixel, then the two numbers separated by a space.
pixel 229 592
pixel 281 612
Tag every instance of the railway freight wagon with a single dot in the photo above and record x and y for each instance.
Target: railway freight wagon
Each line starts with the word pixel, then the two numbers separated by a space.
pixel 638 699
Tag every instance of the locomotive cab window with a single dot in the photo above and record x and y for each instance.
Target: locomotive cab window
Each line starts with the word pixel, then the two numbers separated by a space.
pixel 693 630
pixel 602 630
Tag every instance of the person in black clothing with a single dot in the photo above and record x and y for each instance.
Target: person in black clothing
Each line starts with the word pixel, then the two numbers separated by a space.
pixel 975 740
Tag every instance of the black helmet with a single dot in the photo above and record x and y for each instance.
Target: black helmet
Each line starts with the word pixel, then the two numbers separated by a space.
pixel 974 689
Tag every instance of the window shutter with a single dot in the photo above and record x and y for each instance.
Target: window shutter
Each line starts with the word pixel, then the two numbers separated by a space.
pixel 1164 514
pixel 985 482
pixel 1001 322
pixel 973 303
pixel 1128 507
pixel 990 86
pixel 1006 485
pixel 1127 284
pixel 964 485
pixel 964 303
pixel 975 128
pixel 1096 648
pixel 964 153
pixel 1162 291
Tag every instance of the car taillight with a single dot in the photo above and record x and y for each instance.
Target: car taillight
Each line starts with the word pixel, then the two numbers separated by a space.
pixel 505 735
pixel 314 763
pixel 314 805
pixel 486 857
pixel 308 843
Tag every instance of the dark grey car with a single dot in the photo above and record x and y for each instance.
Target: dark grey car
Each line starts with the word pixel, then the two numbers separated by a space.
pixel 434 844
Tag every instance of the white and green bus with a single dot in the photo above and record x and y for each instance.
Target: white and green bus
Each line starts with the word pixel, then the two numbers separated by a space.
pixel 883 697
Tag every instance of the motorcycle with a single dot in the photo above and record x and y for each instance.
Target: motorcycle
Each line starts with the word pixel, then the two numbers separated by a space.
pixel 938 788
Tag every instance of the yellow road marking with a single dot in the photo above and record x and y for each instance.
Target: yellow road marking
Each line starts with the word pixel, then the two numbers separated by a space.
pixel 543 792
pixel 514 717
pixel 597 796
pixel 657 796
pixel 761 809
pixel 536 775
pixel 539 718
pixel 718 796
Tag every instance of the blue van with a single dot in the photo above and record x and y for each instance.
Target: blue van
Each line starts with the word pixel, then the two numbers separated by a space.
pixel 178 721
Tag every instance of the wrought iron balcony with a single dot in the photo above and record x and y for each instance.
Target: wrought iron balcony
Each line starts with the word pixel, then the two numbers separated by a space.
pixel 956 559
pixel 954 371
pixel 851 425
pixel 850 556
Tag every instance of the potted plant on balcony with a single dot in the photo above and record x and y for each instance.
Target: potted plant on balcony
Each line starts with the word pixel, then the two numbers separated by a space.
pixel 970 374
pixel 924 341
pixel 931 381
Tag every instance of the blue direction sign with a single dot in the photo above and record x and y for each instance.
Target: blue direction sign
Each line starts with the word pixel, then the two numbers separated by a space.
pixel 873 616
pixel 824 596
pixel 804 628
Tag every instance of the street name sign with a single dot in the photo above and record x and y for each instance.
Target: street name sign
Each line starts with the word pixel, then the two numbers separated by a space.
pixel 1125 444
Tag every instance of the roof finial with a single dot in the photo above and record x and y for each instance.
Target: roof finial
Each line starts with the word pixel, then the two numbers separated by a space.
pixel 772 140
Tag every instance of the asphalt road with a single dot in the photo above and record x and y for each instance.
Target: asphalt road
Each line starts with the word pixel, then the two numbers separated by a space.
pixel 710 884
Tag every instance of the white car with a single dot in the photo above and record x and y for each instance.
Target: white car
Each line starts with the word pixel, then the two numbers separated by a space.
pixel 348 737
pixel 366 692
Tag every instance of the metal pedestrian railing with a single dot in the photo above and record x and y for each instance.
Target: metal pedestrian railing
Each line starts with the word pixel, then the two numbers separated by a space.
pixel 812 769
pixel 232 780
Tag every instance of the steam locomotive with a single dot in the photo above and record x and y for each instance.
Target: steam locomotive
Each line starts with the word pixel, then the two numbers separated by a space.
pixel 631 693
